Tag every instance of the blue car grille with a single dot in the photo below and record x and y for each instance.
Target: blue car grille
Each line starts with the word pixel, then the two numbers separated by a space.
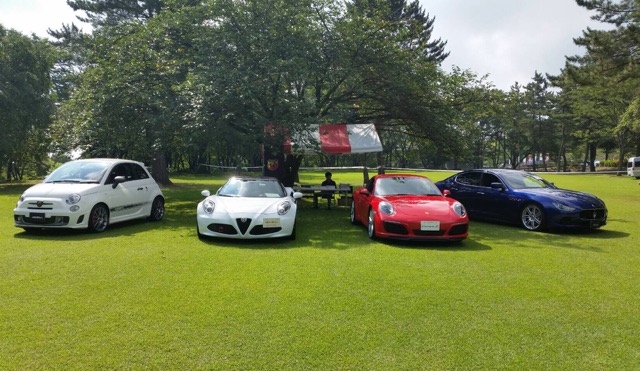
pixel 592 214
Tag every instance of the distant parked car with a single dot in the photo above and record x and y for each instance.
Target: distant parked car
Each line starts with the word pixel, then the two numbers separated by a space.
pixel 408 207
pixel 633 167
pixel 523 198
pixel 248 208
pixel 90 194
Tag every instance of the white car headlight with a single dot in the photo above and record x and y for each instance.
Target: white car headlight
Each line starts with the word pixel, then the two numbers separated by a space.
pixel 208 206
pixel 386 208
pixel 563 207
pixel 459 209
pixel 284 207
pixel 73 199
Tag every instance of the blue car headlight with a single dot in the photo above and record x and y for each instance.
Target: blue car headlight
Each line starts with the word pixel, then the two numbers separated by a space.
pixel 284 207
pixel 386 208
pixel 208 206
pixel 563 207
pixel 459 209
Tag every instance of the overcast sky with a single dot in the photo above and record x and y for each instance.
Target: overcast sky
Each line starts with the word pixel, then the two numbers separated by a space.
pixel 507 39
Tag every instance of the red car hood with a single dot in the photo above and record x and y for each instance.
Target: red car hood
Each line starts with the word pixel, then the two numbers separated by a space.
pixel 419 206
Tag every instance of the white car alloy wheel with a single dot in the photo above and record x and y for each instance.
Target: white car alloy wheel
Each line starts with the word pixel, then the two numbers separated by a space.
pixel 157 209
pixel 98 218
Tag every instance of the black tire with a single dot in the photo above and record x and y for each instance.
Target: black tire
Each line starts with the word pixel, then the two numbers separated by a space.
pixel 200 235
pixel 371 228
pixel 352 213
pixel 99 218
pixel 532 217
pixel 157 209
pixel 292 237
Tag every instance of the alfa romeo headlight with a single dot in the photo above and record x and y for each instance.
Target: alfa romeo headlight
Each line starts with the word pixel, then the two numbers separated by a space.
pixel 73 199
pixel 386 208
pixel 563 207
pixel 284 207
pixel 459 209
pixel 208 206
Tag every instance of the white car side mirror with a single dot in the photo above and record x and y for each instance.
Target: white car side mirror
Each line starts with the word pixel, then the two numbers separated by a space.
pixel 205 193
pixel 297 195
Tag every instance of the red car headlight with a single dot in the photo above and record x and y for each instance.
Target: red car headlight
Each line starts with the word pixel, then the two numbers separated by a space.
pixel 386 208
pixel 459 209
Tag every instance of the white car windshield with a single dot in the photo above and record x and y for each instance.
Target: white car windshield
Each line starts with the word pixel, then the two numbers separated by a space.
pixel 237 187
pixel 406 186
pixel 78 172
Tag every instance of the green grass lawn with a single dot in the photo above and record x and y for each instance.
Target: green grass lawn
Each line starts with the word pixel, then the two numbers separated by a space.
pixel 151 295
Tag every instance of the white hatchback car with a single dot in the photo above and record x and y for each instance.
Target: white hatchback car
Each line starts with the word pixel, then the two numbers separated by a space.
pixel 90 194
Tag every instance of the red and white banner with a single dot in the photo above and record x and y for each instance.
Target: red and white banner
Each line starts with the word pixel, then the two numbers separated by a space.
pixel 337 139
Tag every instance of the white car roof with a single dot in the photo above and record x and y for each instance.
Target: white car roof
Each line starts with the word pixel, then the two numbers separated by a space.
pixel 109 160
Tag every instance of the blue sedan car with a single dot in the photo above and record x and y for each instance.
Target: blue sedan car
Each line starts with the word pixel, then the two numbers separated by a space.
pixel 519 197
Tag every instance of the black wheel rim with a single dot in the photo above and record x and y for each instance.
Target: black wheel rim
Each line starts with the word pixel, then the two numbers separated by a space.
pixel 158 209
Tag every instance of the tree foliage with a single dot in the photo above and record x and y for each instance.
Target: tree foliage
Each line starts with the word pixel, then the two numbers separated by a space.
pixel 25 103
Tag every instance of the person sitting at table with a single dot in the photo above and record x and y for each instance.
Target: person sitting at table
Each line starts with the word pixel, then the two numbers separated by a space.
pixel 325 194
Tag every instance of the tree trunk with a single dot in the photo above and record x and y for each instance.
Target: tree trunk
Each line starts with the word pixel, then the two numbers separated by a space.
pixel 159 169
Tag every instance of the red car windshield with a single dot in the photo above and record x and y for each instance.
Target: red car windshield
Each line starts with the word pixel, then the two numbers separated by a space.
pixel 400 185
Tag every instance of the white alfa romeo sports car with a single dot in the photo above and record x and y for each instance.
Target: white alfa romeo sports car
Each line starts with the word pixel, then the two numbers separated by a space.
pixel 91 194
pixel 249 208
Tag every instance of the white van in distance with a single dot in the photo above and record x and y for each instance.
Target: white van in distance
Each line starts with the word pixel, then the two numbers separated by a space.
pixel 633 167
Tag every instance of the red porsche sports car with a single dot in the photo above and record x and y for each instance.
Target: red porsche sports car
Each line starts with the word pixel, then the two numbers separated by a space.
pixel 408 207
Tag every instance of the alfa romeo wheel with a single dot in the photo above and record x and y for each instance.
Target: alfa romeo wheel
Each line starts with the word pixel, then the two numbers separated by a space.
pixel 98 218
pixel 532 217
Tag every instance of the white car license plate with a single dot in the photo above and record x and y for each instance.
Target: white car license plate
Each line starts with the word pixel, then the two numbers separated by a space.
pixel 271 222
pixel 429 225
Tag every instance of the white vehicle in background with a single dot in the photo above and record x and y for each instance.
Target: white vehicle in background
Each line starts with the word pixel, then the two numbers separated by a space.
pixel 90 194
pixel 633 167
pixel 248 208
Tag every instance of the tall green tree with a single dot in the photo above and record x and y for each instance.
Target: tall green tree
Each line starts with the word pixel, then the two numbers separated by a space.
pixel 25 103
pixel 128 101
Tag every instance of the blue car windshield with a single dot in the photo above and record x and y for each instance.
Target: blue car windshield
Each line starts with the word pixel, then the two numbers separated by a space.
pixel 525 180
pixel 406 186
pixel 78 172
pixel 252 188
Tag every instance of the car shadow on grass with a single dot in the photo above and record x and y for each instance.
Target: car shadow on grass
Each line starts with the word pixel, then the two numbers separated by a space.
pixel 127 228
pixel 331 229
pixel 518 237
